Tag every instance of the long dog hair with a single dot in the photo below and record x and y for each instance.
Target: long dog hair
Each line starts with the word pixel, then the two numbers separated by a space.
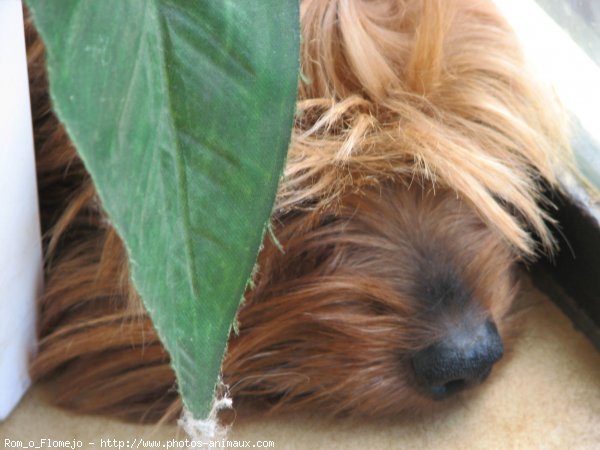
pixel 413 187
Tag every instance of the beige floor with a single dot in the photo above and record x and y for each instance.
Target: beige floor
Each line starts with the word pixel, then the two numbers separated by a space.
pixel 546 397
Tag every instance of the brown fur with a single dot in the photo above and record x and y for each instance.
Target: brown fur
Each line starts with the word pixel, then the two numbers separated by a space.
pixel 412 188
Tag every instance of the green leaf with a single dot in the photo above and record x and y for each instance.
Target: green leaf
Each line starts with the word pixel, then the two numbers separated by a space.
pixel 182 113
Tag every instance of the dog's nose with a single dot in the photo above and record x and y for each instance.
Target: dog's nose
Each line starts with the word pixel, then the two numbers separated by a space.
pixel 464 358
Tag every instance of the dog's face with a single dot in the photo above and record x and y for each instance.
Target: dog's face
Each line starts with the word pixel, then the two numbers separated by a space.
pixel 396 298
pixel 412 187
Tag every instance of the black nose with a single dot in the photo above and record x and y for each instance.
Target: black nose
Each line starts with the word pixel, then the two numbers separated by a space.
pixel 464 358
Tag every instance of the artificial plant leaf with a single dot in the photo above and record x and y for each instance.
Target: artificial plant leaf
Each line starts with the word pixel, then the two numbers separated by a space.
pixel 182 113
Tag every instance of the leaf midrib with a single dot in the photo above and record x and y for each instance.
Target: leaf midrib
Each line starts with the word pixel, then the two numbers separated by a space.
pixel 182 188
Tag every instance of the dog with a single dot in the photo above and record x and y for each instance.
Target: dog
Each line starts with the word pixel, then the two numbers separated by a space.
pixel 413 190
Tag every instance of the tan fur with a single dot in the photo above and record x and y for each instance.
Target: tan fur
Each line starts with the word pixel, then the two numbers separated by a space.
pixel 417 157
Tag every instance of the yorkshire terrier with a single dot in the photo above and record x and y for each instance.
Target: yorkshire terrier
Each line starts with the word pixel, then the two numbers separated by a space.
pixel 413 189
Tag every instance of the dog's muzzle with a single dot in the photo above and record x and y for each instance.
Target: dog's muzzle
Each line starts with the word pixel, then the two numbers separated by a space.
pixel 463 359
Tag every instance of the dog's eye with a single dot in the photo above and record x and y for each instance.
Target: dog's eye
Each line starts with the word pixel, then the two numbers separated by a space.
pixel 328 219
pixel 380 309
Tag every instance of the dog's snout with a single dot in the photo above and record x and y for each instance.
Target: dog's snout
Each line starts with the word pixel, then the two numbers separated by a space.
pixel 464 358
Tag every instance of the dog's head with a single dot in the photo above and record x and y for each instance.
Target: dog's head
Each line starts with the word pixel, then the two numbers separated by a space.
pixel 412 188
